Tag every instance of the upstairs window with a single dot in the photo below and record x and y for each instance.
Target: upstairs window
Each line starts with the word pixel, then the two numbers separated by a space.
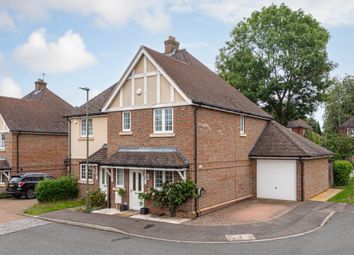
pixel 126 122
pixel 163 120
pixel 83 127
pixel 242 124
pixel 2 141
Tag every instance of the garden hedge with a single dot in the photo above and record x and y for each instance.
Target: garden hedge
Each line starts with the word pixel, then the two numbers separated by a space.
pixel 342 170
pixel 63 188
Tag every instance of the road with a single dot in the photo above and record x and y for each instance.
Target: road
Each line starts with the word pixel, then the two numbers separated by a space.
pixel 55 239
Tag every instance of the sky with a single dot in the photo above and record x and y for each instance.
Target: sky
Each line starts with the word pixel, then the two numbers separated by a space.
pixel 91 42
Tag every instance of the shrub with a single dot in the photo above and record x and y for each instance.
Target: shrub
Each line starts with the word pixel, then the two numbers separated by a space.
pixel 341 144
pixel 172 195
pixel 342 170
pixel 63 188
pixel 97 199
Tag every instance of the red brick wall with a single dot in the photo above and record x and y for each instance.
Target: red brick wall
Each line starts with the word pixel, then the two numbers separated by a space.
pixel 316 177
pixel 7 153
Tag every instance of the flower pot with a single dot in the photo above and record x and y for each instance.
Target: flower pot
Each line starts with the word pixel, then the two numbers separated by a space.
pixel 123 208
pixel 144 210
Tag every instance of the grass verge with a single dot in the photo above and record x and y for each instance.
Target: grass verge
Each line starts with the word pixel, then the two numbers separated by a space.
pixel 346 195
pixel 53 206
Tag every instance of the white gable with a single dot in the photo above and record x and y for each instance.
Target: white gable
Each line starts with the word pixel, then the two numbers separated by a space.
pixel 3 126
pixel 145 85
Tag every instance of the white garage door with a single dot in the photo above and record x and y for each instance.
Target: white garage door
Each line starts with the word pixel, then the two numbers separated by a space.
pixel 276 179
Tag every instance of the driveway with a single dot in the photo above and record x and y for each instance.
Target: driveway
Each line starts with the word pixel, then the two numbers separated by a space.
pixel 9 208
pixel 249 211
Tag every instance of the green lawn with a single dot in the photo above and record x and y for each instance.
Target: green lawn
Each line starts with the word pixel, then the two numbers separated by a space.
pixel 346 195
pixel 53 206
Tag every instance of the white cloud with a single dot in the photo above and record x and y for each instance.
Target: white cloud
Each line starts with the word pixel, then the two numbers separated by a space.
pixel 6 22
pixel 8 87
pixel 67 54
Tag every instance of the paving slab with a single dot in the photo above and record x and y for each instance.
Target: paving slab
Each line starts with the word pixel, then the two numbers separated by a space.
pixel 306 217
pixel 325 196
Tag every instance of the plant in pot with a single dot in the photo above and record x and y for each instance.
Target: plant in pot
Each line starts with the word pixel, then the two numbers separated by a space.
pixel 123 206
pixel 143 210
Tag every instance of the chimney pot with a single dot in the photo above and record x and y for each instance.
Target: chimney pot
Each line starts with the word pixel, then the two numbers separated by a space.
pixel 40 84
pixel 171 45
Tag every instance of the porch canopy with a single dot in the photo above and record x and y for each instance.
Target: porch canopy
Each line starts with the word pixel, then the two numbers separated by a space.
pixel 148 158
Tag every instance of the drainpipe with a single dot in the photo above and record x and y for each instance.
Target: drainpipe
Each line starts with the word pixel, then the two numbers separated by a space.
pixel 196 200
pixel 302 179
pixel 17 153
pixel 69 146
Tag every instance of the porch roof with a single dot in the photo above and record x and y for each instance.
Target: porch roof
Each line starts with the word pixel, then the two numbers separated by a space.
pixel 4 165
pixel 148 157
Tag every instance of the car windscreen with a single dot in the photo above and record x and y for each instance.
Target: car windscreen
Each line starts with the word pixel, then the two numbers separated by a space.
pixel 15 179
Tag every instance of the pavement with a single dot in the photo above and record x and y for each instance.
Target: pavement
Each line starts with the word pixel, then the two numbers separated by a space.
pixel 336 237
pixel 10 208
pixel 325 196
pixel 305 218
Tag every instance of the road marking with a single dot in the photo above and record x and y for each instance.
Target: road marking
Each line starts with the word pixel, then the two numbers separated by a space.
pixel 240 237
pixel 18 225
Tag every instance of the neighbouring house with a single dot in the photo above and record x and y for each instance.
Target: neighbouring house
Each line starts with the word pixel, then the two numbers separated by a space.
pixel 298 126
pixel 171 118
pixel 33 133
pixel 347 127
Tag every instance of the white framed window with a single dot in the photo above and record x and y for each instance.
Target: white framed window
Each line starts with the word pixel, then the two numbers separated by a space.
pixel 161 177
pixel 120 177
pixel 4 176
pixel 83 127
pixel 350 132
pixel 242 124
pixel 2 141
pixel 83 172
pixel 126 122
pixel 163 120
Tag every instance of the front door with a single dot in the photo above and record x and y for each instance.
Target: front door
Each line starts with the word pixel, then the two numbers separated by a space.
pixel 136 186
pixel 104 181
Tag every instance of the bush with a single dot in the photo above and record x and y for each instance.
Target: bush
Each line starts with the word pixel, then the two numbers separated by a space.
pixel 342 170
pixel 340 144
pixel 97 199
pixel 63 188
pixel 172 195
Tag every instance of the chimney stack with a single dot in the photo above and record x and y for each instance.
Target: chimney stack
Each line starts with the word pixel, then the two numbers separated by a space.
pixel 171 45
pixel 40 84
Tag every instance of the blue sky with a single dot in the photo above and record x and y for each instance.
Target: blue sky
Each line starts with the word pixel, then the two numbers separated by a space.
pixel 90 43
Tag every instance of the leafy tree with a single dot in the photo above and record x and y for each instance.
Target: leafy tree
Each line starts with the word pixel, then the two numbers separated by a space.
pixel 315 125
pixel 277 57
pixel 340 103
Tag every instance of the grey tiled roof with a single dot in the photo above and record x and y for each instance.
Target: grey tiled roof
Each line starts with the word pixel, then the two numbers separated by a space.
pixel 162 157
pixel 298 123
pixel 349 123
pixel 278 141
pixel 98 156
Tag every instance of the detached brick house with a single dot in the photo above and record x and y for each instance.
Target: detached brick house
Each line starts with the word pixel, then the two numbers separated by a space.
pixel 33 133
pixel 347 127
pixel 169 118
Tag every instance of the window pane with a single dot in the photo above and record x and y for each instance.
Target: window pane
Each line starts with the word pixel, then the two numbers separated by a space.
pixel 158 120
pixel 103 177
pixel 90 126
pixel 168 177
pixel 83 127
pixel 158 179
pixel 2 140
pixel 83 172
pixel 134 181
pixel 90 172
pixel 126 120
pixel 242 124
pixel 139 182
pixel 120 177
pixel 168 119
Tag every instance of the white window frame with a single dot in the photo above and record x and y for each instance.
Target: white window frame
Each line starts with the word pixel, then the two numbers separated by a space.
pixel 350 132
pixel 119 170
pixel 92 167
pixel 3 175
pixel 242 124
pixel 82 126
pixel 2 141
pixel 163 178
pixel 163 116
pixel 123 122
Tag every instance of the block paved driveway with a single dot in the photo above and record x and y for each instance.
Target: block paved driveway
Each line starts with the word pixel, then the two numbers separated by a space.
pixel 9 208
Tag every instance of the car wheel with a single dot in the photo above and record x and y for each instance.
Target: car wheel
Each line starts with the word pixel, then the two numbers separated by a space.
pixel 30 194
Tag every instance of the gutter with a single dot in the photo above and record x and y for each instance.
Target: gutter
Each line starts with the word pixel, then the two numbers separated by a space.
pixel 302 179
pixel 196 200
pixel 69 146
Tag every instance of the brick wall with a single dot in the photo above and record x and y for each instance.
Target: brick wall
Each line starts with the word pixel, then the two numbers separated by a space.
pixel 316 177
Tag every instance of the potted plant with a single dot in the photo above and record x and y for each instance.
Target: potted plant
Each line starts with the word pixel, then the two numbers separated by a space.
pixel 123 206
pixel 143 210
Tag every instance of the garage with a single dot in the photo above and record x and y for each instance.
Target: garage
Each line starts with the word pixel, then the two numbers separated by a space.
pixel 276 179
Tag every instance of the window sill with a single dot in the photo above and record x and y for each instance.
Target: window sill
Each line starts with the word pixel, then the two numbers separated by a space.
pixel 83 138
pixel 125 133
pixel 84 182
pixel 163 135
pixel 243 134
pixel 2 149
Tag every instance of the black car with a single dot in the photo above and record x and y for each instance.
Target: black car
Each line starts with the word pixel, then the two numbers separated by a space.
pixel 24 184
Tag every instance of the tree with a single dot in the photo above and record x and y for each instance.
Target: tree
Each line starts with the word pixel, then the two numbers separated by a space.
pixel 277 57
pixel 340 103
pixel 315 125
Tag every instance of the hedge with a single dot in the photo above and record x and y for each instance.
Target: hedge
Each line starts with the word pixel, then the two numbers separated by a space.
pixel 63 188
pixel 342 170
pixel 97 199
